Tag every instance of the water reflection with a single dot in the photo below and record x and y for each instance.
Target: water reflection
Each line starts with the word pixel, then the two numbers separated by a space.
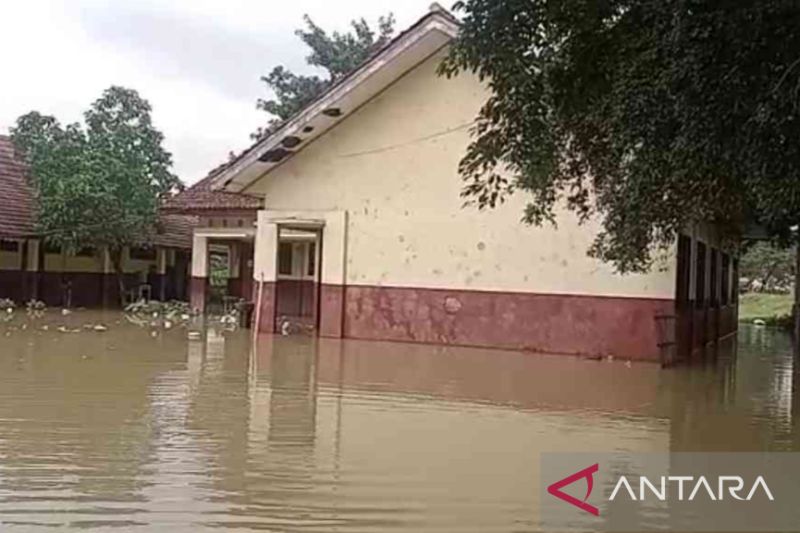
pixel 136 428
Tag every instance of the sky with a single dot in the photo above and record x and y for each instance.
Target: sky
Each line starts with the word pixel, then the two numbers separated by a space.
pixel 198 62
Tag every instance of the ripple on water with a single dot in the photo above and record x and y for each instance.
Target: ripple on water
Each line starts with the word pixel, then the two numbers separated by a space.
pixel 127 430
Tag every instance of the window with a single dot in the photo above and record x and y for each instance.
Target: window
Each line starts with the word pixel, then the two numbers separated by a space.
pixel 285 255
pixel 142 254
pixel 684 270
pixel 700 276
pixel 297 260
pixel 713 293
pixel 726 281
pixel 9 246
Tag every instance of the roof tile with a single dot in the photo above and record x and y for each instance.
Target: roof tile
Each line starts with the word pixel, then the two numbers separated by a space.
pixel 16 198
pixel 201 197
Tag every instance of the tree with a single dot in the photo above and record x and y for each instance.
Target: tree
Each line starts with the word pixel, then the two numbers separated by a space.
pixel 338 54
pixel 767 267
pixel 99 185
pixel 649 116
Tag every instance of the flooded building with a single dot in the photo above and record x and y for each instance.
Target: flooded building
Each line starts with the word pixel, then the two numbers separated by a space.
pixel 226 226
pixel 32 269
pixel 357 228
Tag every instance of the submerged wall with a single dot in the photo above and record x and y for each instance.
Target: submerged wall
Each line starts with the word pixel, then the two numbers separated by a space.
pixel 83 279
pixel 421 267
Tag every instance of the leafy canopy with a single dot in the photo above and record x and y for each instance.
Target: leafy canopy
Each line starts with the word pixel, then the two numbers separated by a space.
pixel 767 267
pixel 649 116
pixel 337 54
pixel 97 185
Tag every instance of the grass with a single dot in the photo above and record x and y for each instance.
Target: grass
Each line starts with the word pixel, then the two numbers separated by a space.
pixel 771 308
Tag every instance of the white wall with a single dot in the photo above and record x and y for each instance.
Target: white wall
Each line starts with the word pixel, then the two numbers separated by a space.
pixel 392 165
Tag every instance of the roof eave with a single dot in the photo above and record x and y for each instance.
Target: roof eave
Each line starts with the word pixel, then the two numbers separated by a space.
pixel 440 28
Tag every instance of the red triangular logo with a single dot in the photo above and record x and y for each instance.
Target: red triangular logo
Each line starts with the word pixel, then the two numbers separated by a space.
pixel 588 473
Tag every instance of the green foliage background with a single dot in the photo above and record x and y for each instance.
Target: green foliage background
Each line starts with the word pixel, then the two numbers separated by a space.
pixel 647 115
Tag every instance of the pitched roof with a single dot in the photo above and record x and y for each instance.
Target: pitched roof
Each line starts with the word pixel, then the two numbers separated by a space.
pixel 424 38
pixel 201 197
pixel 16 204
pixel 16 198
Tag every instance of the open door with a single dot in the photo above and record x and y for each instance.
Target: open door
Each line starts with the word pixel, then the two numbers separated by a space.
pixel 297 286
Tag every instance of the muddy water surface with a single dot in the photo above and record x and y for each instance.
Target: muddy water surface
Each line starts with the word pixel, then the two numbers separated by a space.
pixel 146 429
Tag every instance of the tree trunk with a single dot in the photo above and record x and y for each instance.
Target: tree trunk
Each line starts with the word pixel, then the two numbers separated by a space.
pixel 115 254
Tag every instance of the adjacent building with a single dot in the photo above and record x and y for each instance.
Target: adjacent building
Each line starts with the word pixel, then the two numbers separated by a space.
pixel 31 269
pixel 225 225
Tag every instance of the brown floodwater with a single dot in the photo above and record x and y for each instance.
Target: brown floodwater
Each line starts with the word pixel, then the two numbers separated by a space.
pixel 143 428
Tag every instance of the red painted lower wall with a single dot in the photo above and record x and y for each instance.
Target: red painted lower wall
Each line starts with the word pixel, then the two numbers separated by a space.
pixel 581 325
pixel 296 298
pixel 12 285
pixel 331 310
pixel 264 298
pixel 79 289
pixel 198 287
pixel 548 323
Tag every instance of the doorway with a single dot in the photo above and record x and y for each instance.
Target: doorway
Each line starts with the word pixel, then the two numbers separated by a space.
pixel 298 276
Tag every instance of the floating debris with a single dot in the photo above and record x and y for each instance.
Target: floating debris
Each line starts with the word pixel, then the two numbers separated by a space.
pixel 65 312
pixel 155 314
pixel 35 308
pixel 100 327
pixel 7 304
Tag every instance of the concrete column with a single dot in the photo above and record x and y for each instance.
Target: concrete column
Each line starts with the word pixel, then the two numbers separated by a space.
pixel 160 278
pixel 199 281
pixel 246 269
pixel 31 261
pixel 234 258
pixel 333 264
pixel 265 272
pixel 110 285
pixel 161 260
